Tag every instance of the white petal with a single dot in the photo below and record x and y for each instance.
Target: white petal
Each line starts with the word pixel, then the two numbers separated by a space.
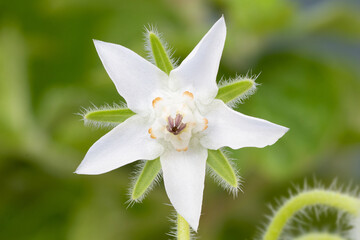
pixel 184 175
pixel 126 143
pixel 227 127
pixel 137 80
pixel 197 73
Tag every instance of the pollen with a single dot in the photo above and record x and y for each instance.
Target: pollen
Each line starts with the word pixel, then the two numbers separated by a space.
pixel 151 134
pixel 189 94
pixel 205 123
pixel 156 100
pixel 182 150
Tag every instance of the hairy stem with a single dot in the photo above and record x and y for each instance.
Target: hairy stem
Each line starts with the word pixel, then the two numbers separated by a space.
pixel 183 229
pixel 337 200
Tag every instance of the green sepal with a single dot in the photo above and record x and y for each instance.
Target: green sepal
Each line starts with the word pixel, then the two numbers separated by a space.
pixel 145 179
pixel 222 167
pixel 161 58
pixel 107 116
pixel 237 89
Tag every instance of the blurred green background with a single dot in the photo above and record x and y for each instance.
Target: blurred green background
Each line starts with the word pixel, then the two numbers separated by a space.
pixel 308 53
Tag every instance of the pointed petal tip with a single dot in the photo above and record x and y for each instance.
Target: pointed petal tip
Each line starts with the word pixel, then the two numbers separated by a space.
pixel 222 19
pixel 280 134
pixel 95 41
pixel 77 171
pixel 194 226
pixel 81 171
pixel 284 130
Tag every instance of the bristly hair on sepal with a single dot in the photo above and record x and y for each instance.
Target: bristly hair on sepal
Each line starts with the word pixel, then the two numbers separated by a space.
pixel 169 50
pixel 240 99
pixel 234 191
pixel 133 179
pixel 97 124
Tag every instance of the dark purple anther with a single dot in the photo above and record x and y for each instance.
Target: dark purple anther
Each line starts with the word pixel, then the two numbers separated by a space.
pixel 178 119
pixel 171 122
pixel 175 126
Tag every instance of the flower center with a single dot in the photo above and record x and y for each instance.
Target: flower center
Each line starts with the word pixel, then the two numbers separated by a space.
pixel 175 126
pixel 176 120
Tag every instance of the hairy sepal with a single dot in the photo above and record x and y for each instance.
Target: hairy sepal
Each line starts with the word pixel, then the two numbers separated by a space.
pixel 145 180
pixel 223 171
pixel 236 90
pixel 106 116
pixel 159 52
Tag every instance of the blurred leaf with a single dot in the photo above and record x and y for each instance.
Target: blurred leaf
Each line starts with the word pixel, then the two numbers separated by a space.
pixel 14 91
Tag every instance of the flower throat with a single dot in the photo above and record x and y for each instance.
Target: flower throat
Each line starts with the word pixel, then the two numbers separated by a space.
pixel 175 126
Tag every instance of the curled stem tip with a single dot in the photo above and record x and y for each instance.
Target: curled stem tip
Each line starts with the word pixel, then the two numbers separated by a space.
pixel 334 199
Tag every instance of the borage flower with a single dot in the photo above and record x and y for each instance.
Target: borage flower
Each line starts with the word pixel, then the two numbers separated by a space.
pixel 177 119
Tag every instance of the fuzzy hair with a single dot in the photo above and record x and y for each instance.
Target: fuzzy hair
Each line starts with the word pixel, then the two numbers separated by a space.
pixel 221 182
pixel 133 179
pixel 303 216
pixel 240 99
pixel 97 124
pixel 169 50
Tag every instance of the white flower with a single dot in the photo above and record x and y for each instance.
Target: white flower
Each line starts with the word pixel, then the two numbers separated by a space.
pixel 177 119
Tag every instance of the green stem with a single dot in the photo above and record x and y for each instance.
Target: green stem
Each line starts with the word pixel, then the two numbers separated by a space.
pixel 337 200
pixel 183 229
pixel 320 236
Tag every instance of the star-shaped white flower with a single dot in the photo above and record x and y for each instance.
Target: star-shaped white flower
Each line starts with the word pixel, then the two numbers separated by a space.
pixel 177 119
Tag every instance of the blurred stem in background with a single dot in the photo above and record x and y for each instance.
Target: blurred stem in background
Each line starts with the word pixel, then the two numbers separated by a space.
pixel 342 202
